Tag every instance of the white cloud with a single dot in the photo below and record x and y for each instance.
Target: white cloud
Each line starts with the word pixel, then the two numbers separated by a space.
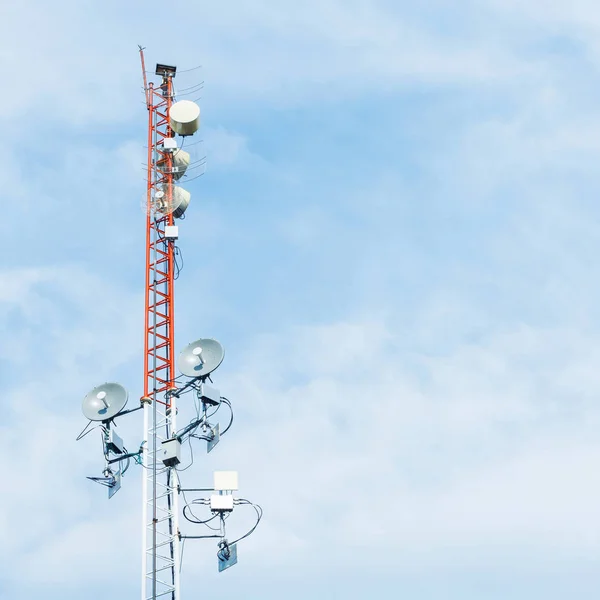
pixel 228 149
pixel 267 51
pixel 65 331
pixel 477 454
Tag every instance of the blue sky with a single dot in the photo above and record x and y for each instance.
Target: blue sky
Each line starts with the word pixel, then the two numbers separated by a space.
pixel 395 239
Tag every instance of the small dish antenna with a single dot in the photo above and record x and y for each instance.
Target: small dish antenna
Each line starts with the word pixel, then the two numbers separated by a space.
pixel 184 117
pixel 200 358
pixel 166 199
pixel 104 402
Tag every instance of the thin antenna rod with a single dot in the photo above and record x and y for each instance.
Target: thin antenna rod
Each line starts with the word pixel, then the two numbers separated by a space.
pixel 144 76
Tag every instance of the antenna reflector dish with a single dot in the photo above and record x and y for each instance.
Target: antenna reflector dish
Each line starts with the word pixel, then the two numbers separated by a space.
pixel 167 199
pixel 200 358
pixel 179 162
pixel 104 402
pixel 183 201
pixel 184 117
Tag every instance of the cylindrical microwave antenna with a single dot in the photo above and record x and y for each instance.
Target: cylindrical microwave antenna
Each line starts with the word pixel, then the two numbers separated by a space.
pixel 184 117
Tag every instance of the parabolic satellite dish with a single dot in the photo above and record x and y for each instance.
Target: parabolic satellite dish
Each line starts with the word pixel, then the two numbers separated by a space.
pixel 200 358
pixel 104 402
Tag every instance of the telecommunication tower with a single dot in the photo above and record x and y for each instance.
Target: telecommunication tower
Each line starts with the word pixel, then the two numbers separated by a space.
pixel 170 122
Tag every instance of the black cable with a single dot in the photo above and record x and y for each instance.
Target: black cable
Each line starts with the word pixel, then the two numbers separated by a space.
pixel 175 264
pixel 126 466
pixel 201 162
pixel 180 257
pixel 257 508
pixel 188 70
pixel 189 431
pixel 193 179
pixel 190 89
pixel 181 147
pixel 214 412
pixel 179 488
pixel 259 514
pixel 178 267
pixel 200 141
pixel 191 455
pixel 180 393
pixel 214 528
pixel 187 504
pixel 195 163
pixel 197 89
pixel 197 521
pixel 174 380
pixel 102 433
pixel 231 419
pixel 194 519
pixel 184 71
pixel 197 405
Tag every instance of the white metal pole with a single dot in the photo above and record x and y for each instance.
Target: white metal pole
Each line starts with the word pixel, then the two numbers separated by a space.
pixel 174 479
pixel 144 458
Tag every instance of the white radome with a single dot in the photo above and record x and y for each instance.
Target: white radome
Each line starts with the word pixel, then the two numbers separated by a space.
pixel 184 117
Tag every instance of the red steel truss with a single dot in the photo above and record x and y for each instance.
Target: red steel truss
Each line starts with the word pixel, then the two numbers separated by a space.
pixel 159 360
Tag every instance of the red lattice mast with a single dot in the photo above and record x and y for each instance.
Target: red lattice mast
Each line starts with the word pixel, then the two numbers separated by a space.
pixel 159 361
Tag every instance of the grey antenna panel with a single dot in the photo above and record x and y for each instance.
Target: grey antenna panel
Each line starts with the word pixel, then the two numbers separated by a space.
pixel 200 358
pixel 116 485
pixel 215 437
pixel 104 402
pixel 227 557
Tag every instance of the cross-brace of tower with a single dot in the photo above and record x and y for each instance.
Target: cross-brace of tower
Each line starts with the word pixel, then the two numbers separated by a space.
pixel 160 544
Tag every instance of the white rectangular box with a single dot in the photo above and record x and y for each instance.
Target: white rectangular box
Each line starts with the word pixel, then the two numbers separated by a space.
pixel 171 232
pixel 170 144
pixel 114 443
pixel 218 502
pixel 209 394
pixel 171 452
pixel 225 481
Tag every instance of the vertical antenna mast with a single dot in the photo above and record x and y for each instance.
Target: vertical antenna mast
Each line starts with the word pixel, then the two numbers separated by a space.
pixel 160 561
pixel 160 450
